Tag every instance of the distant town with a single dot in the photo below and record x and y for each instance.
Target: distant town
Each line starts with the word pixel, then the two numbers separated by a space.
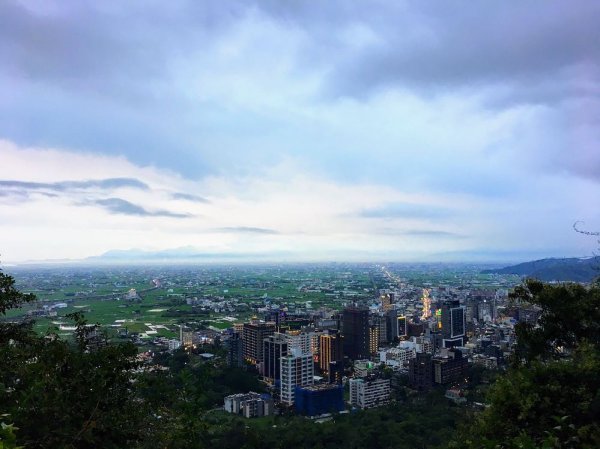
pixel 323 338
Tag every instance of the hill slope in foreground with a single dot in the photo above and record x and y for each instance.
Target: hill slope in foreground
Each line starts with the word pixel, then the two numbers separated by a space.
pixel 564 270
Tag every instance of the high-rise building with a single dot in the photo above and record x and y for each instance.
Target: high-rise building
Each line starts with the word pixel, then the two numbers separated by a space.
pixel 356 332
pixel 420 371
pixel 254 334
pixel 402 327
pixel 380 320
pixel 331 349
pixel 453 323
pixel 373 339
pixel 235 351
pixel 369 393
pixel 301 340
pixel 450 367
pixel 336 372
pixel 391 319
pixel 185 337
pixel 297 370
pixel 387 301
pixel 274 347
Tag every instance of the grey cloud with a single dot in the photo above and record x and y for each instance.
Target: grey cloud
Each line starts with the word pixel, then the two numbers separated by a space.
pixel 188 197
pixel 422 45
pixel 65 186
pixel 123 207
pixel 420 233
pixel 247 230
pixel 438 46
pixel 96 48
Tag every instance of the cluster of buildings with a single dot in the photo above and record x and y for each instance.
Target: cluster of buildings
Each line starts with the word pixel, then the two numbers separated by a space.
pixel 306 361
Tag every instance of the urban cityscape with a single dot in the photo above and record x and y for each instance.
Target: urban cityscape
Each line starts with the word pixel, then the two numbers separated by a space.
pixel 269 224
pixel 323 338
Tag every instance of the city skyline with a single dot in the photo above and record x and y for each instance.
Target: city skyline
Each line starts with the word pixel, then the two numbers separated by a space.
pixel 259 130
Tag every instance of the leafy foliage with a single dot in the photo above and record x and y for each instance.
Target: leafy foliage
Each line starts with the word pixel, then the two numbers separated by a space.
pixel 8 439
pixel 62 394
pixel 550 397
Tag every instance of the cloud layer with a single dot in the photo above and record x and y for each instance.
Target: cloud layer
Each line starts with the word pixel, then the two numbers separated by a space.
pixel 374 129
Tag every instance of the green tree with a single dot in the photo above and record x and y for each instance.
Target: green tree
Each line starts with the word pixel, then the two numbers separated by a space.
pixel 65 394
pixel 550 396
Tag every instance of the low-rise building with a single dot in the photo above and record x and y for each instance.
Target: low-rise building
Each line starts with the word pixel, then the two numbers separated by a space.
pixel 365 393
pixel 362 368
pixel 249 405
pixel 317 400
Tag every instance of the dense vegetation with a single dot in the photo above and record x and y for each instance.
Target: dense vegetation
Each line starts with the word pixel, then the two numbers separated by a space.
pixel 84 394
pixel 550 397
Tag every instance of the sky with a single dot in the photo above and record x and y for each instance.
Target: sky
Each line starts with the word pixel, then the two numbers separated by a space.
pixel 296 130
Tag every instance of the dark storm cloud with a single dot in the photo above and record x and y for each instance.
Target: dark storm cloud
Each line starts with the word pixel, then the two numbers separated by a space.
pixel 67 186
pixel 189 197
pixel 247 230
pixel 123 207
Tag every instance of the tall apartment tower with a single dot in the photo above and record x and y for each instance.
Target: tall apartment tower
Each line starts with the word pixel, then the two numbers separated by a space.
pixel 331 349
pixel 380 320
pixel 274 347
pixel 235 353
pixel 420 371
pixel 373 339
pixel 387 300
pixel 402 327
pixel 300 340
pixel 254 334
pixel 356 332
pixel 453 324
pixel 297 370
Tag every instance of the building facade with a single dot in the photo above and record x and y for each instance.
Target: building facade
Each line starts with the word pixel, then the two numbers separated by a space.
pixel 274 347
pixel 356 332
pixel 297 370
pixel 253 336
pixel 366 393
pixel 249 405
pixel 235 351
pixel 316 400
pixel 453 324
pixel 331 349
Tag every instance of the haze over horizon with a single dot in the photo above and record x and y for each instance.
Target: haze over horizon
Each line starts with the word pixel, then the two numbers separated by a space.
pixel 408 131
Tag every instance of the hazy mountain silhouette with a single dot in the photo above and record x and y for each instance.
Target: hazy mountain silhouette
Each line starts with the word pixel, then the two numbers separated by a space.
pixel 566 269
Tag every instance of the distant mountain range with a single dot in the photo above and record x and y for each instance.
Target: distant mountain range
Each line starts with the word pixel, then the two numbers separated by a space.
pixel 183 254
pixel 563 270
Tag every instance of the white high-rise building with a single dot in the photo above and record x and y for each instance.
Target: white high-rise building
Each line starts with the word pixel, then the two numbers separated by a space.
pixel 297 369
pixel 302 341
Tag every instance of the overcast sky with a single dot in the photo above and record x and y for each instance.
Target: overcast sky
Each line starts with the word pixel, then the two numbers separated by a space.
pixel 337 130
